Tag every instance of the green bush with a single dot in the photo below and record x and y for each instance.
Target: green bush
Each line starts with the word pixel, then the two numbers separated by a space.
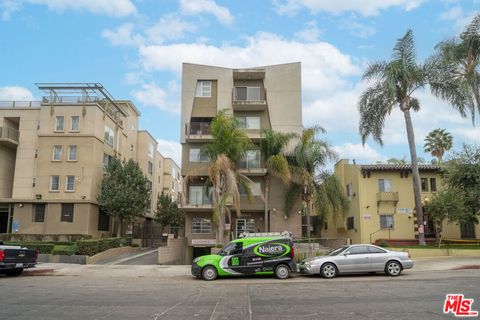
pixel 92 247
pixel 65 250
pixel 383 244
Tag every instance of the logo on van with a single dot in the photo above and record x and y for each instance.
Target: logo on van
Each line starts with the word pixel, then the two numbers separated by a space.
pixel 271 249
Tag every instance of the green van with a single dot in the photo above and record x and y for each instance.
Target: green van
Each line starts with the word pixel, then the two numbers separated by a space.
pixel 249 255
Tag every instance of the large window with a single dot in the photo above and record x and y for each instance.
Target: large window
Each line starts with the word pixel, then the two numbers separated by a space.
pixel 386 221
pixel 54 183
pixel 350 223
pixel 59 121
pixel 251 160
pixel 39 212
pixel 72 153
pixel 57 153
pixel 245 225
pixel 70 183
pixel 197 195
pixel 197 156
pixel 103 221
pixel 247 93
pixel 109 137
pixel 384 185
pixel 201 225
pixel 74 123
pixel 424 184
pixel 249 122
pixel 204 89
pixel 67 212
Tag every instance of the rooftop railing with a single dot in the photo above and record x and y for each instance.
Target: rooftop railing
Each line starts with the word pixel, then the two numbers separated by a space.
pixel 19 104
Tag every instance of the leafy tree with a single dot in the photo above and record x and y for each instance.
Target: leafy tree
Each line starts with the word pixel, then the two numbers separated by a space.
pixel 124 192
pixel 437 142
pixel 168 213
pixel 393 83
pixel 228 146
pixel 272 147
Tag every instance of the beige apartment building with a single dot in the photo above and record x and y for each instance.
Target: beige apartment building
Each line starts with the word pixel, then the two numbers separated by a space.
pixel 382 204
pixel 262 97
pixel 53 153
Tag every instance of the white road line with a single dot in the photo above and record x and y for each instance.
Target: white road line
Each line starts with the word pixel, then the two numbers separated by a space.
pixel 158 315
pixel 131 258
pixel 214 309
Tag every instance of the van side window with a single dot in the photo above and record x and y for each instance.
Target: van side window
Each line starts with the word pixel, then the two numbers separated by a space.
pixel 238 248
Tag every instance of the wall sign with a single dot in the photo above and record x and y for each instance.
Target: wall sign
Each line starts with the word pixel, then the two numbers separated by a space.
pixel 204 241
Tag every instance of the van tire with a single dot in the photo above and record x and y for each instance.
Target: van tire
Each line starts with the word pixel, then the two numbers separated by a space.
pixel 282 271
pixel 209 273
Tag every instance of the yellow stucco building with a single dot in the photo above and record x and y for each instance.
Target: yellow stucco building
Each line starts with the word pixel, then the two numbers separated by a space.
pixel 382 204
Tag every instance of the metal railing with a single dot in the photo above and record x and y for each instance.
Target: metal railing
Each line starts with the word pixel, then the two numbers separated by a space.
pixel 9 133
pixel 19 104
pixel 198 128
pixel 387 196
pixel 247 101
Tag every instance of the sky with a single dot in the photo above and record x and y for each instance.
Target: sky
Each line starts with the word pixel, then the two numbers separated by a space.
pixel 136 48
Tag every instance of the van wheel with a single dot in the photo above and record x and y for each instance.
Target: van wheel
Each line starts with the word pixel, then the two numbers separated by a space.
pixel 282 272
pixel 328 270
pixel 13 272
pixel 393 268
pixel 209 273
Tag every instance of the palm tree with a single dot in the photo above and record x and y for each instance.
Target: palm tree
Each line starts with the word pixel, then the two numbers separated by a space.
pixel 321 191
pixel 228 146
pixel 437 142
pixel 393 83
pixel 460 60
pixel 272 147
pixel 397 161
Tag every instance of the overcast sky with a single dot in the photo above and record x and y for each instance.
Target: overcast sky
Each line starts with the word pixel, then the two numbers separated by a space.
pixel 136 49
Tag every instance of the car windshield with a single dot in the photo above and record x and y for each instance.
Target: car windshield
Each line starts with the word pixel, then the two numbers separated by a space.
pixel 338 251
pixel 229 249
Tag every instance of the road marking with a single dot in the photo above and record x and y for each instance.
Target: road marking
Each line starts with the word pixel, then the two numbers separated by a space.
pixel 131 258
pixel 158 315
pixel 249 305
pixel 214 309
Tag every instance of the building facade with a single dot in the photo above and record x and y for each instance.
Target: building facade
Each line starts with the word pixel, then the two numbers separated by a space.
pixel 53 153
pixel 382 204
pixel 263 97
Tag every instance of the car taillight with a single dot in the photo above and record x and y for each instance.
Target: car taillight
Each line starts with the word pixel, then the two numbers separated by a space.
pixel 2 255
pixel 293 252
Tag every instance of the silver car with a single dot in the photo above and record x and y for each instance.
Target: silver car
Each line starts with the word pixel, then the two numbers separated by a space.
pixel 358 258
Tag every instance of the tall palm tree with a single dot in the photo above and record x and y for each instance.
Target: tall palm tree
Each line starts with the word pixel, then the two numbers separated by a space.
pixel 397 161
pixel 460 60
pixel 321 191
pixel 393 84
pixel 228 146
pixel 437 142
pixel 272 147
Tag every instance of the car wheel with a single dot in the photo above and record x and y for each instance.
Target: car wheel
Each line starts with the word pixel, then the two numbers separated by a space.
pixel 209 273
pixel 282 272
pixel 393 268
pixel 13 272
pixel 328 270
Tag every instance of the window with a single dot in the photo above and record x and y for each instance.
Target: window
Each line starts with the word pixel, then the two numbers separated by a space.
pixel 195 195
pixel 59 123
pixel 39 212
pixel 424 184
pixel 150 185
pixel 74 123
pixel 72 153
pixel 54 183
pixel 247 93
pixel 350 223
pixel 150 168
pixel 251 160
pixel 201 225
pixel 386 221
pixel 67 212
pixel 197 156
pixel 150 149
pixel 325 225
pixel 107 159
pixel 372 249
pixel 433 184
pixel 249 122
pixel 70 183
pixel 159 179
pixel 384 185
pixel 357 250
pixel 245 225
pixel 103 221
pixel 255 188
pixel 233 248
pixel 349 191
pixel 34 180
pixel 109 137
pixel 57 153
pixel 204 89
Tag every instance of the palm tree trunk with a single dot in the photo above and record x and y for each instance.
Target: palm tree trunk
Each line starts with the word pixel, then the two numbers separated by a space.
pixel 267 194
pixel 415 176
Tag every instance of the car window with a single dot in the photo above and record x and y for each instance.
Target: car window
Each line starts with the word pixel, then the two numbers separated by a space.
pixel 358 250
pixel 375 250
pixel 338 251
pixel 232 248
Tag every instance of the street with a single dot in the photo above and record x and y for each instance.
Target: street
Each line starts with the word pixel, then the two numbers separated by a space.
pixel 169 292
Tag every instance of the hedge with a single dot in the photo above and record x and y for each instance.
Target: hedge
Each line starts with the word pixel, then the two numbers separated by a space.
pixel 92 247
pixel 65 250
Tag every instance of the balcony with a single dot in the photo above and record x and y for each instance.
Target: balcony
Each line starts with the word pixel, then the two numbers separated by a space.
pixel 198 131
pixel 249 99
pixel 252 165
pixel 9 137
pixel 387 197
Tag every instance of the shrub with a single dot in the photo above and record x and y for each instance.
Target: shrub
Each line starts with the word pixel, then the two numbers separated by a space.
pixel 65 250
pixel 92 247
pixel 383 244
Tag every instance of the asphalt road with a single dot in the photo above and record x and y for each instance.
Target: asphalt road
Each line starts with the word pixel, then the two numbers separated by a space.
pixel 95 293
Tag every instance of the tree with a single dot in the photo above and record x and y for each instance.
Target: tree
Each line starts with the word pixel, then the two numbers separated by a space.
pixel 229 144
pixel 437 142
pixel 397 161
pixel 124 192
pixel 272 148
pixel 460 60
pixel 321 192
pixel 168 213
pixel 393 83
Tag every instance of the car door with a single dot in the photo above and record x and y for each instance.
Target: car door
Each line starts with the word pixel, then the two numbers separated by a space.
pixel 378 258
pixel 356 259
pixel 233 261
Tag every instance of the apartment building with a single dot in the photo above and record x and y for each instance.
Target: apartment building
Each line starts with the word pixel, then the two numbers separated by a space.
pixel 382 204
pixel 262 97
pixel 53 153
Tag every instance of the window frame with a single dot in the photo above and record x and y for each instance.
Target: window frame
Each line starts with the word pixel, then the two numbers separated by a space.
pixel 386 215
pixel 60 147
pixel 199 157
pixel 57 129
pixel 433 184
pixel 70 152
pixel 64 215
pixel 109 139
pixel 67 182
pixel 150 167
pixel 35 212
pixel 203 221
pixel 201 90
pixel 51 183
pixel 72 129
pixel 384 185
pixel 424 184
pixel 351 223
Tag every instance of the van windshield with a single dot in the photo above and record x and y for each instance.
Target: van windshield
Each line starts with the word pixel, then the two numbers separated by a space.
pixel 231 248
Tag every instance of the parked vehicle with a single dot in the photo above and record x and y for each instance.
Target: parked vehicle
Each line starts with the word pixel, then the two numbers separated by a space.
pixel 271 253
pixel 360 258
pixel 13 259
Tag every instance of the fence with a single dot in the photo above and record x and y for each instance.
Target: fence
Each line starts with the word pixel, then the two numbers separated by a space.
pixel 154 235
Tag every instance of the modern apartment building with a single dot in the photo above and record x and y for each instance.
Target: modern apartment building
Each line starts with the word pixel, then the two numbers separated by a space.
pixel 382 204
pixel 262 97
pixel 53 153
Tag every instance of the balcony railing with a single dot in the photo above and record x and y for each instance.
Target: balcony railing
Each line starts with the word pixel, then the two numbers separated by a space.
pixel 387 197
pixel 198 129
pixel 248 99
pixel 9 133
pixel 19 104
